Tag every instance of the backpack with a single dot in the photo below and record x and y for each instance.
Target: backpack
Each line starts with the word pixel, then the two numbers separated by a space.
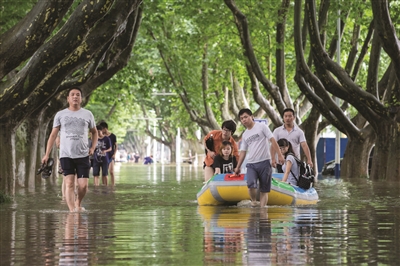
pixel 209 144
pixel 305 180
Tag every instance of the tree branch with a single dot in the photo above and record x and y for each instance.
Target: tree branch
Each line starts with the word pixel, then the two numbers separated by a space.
pixel 347 89
pixel 21 41
pixel 65 42
pixel 242 25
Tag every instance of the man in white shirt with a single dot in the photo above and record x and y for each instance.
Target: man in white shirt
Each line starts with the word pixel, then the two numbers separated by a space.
pixel 256 141
pixel 290 131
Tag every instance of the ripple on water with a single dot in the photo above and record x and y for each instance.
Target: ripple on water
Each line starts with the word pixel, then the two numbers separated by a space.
pixel 151 217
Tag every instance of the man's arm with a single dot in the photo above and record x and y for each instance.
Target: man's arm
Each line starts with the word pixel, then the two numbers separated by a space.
pixel 306 151
pixel 94 140
pixel 109 146
pixel 50 143
pixel 242 154
pixel 273 156
pixel 275 146
pixel 272 150
pixel 115 146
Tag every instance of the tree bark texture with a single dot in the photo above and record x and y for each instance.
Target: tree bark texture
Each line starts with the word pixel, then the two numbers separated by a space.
pixel 322 79
pixel 94 43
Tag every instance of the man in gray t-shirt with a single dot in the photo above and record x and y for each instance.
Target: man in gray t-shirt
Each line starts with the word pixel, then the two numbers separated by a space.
pixel 255 143
pixel 74 128
pixel 74 123
pixel 290 131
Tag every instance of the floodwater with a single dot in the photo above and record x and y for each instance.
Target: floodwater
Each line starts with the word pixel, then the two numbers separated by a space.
pixel 151 218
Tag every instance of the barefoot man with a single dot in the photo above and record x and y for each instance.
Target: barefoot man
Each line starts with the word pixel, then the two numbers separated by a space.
pixel 255 142
pixel 73 123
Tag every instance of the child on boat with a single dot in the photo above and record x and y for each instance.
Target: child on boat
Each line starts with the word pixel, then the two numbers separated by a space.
pixel 225 162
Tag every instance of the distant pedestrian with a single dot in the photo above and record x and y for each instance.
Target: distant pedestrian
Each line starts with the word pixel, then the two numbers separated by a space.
pixel 101 157
pixel 148 159
pixel 136 157
pixel 114 148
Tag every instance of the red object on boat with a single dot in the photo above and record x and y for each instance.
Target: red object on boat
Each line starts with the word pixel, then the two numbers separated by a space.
pixel 233 177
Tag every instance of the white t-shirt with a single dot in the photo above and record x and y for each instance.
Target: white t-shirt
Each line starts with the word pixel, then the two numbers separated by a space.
pixel 74 129
pixel 256 142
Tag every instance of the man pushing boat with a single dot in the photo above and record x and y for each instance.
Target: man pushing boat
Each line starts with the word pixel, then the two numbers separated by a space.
pixel 258 150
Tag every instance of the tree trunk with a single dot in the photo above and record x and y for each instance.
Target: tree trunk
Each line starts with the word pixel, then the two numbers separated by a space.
pixel 310 128
pixel 355 160
pixel 25 156
pixel 30 139
pixel 107 34
pixel 393 162
pixel 386 161
pixel 7 159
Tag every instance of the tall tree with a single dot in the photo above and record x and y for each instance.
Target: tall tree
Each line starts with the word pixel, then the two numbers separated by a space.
pixel 377 103
pixel 191 45
pixel 58 44
pixel 277 91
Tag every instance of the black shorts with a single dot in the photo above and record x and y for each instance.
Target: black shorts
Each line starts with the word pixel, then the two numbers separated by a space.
pixel 79 166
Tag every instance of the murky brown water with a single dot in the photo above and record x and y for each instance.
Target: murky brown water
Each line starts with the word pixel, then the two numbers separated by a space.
pixel 151 218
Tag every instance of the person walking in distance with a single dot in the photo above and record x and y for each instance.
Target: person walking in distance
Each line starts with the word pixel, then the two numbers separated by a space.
pixel 101 159
pixel 74 124
pixel 111 154
pixel 256 141
pixel 290 131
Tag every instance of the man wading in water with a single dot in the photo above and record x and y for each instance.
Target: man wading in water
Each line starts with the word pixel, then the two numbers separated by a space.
pixel 74 123
pixel 257 141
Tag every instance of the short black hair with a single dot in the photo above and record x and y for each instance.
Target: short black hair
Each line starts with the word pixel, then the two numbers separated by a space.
pixel 229 124
pixel 245 111
pixel 99 127
pixel 103 124
pixel 74 88
pixel 288 110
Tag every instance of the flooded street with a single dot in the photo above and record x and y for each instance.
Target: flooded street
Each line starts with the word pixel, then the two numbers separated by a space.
pixel 151 217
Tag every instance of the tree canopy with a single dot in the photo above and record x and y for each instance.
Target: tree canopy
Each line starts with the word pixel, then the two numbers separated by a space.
pixel 194 64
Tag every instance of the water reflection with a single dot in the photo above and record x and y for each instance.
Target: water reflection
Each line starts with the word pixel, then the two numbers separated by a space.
pixel 151 217
pixel 258 236
pixel 75 247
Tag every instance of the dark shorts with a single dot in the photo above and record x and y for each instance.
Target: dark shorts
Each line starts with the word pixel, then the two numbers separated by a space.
pixel 79 166
pixel 262 172
pixel 103 165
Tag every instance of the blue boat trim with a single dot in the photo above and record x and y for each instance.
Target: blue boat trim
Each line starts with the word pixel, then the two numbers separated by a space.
pixel 214 192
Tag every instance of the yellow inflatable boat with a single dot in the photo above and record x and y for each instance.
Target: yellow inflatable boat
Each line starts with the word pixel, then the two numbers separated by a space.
pixel 228 189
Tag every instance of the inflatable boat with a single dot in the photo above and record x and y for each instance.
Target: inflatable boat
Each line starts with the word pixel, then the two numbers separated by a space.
pixel 229 189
